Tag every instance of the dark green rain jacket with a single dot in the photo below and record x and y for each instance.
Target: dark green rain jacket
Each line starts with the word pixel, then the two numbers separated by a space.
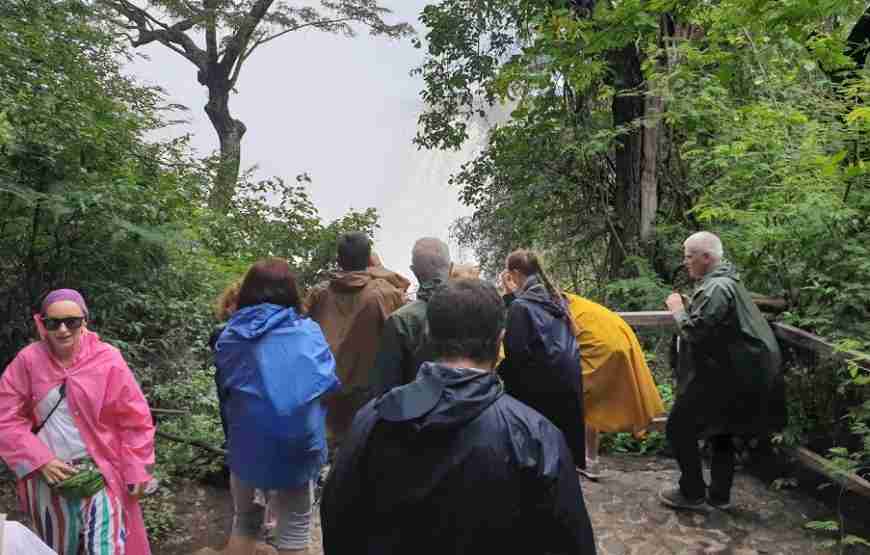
pixel 730 363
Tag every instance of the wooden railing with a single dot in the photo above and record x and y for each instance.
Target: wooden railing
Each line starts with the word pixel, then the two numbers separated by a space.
pixel 794 337
pixel 790 335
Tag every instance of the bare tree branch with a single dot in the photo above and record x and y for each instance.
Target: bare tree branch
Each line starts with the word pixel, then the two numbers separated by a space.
pixel 173 37
pixel 247 53
pixel 239 42
pixel 320 23
pixel 193 9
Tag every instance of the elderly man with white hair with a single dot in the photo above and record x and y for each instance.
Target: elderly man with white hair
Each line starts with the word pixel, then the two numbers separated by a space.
pixel 403 345
pixel 734 371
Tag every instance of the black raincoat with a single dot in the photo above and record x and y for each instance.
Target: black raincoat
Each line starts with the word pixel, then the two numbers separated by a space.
pixel 542 363
pixel 449 464
pixel 730 361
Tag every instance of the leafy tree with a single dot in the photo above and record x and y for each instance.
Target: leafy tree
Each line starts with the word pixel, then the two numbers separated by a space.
pixel 73 169
pixel 761 136
pixel 230 31
pixel 87 202
pixel 567 69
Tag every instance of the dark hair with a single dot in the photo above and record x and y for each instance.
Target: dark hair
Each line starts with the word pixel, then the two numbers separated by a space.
pixel 465 319
pixel 354 250
pixel 527 263
pixel 269 281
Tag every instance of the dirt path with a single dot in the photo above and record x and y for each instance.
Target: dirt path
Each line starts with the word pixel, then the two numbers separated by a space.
pixel 626 516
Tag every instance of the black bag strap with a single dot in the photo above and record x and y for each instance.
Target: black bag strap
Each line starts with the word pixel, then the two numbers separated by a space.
pixel 38 428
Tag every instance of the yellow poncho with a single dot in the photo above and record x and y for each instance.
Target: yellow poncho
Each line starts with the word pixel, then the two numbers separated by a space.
pixel 620 394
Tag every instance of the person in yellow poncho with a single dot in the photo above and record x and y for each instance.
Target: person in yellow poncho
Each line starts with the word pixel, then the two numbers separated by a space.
pixel 619 391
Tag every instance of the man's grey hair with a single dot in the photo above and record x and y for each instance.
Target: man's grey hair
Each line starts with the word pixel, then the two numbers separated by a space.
pixel 705 242
pixel 430 259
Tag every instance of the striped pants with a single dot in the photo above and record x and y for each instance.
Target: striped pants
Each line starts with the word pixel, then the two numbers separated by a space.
pixel 87 526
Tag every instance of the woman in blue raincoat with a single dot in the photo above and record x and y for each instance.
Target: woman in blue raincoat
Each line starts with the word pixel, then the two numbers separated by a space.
pixel 274 366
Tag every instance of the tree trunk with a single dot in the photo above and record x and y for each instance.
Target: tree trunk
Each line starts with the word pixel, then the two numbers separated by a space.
pixel 230 132
pixel 653 106
pixel 628 109
pixel 857 41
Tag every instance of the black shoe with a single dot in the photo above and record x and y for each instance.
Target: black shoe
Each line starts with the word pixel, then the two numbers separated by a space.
pixel 674 498
pixel 718 503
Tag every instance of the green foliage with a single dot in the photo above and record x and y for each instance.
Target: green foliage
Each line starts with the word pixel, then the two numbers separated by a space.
pixel 763 141
pixel 832 527
pixel 270 218
pixel 645 292
pixel 646 444
pixel 822 525
pixel 195 394
pixel 159 513
pixel 88 202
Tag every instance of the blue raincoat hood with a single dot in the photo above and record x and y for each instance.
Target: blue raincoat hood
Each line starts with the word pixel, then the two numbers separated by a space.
pixel 255 321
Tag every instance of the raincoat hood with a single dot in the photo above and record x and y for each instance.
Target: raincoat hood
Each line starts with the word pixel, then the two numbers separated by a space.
pixel 393 278
pixel 534 291
pixel 441 398
pixel 349 282
pixel 723 269
pixel 429 288
pixel 255 321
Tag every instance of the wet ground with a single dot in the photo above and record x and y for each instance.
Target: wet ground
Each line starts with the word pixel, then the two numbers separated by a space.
pixel 625 512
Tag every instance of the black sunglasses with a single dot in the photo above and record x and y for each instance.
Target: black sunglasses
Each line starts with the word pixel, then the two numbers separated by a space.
pixel 71 323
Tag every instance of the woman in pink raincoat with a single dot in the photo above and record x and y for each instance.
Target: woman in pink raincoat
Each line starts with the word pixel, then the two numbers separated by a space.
pixel 89 411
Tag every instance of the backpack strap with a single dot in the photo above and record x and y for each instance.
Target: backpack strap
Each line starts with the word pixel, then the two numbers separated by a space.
pixel 40 426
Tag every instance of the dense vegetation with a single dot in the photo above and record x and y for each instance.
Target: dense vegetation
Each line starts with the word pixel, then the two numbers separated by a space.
pixel 86 201
pixel 633 123
pixel 627 124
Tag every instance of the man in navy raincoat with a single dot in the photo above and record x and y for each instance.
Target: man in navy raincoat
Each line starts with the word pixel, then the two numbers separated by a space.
pixel 451 464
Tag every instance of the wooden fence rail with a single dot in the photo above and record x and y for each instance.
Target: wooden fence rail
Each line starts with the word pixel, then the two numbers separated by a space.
pixel 662 319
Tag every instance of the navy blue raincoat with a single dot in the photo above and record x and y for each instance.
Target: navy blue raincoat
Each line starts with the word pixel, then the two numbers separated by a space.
pixel 542 363
pixel 450 464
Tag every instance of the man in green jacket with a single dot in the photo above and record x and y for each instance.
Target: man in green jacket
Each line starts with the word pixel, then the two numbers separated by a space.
pixel 403 347
pixel 734 364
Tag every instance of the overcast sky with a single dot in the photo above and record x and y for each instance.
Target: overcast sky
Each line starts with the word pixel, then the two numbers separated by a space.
pixel 343 110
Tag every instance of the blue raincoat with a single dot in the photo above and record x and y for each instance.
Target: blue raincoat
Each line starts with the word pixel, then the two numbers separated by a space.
pixel 273 367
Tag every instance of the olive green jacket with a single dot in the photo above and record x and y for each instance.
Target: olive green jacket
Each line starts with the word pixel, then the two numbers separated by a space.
pixel 729 355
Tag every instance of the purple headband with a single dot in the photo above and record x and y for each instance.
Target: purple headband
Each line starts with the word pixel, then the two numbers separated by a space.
pixel 64 295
